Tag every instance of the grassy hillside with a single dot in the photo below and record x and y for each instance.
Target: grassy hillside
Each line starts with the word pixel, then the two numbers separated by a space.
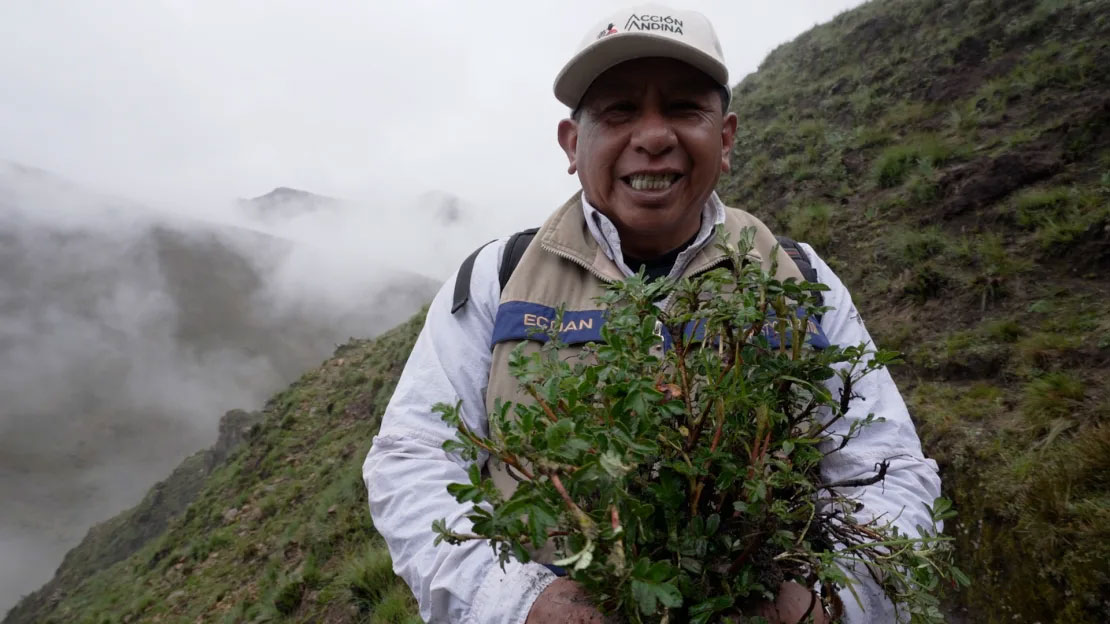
pixel 280 529
pixel 952 162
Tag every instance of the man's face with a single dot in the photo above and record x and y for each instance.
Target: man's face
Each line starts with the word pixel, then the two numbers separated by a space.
pixel 648 147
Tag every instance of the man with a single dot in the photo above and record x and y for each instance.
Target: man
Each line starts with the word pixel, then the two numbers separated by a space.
pixel 649 135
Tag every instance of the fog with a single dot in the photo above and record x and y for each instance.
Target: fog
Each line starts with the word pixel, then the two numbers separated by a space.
pixel 140 299
pixel 125 333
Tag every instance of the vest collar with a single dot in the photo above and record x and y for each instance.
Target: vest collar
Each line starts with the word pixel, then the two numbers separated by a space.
pixel 581 234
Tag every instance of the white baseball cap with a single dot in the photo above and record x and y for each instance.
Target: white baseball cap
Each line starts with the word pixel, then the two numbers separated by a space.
pixel 647 30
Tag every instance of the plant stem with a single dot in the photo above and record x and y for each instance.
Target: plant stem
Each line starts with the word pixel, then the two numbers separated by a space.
pixel 546 408
pixel 583 520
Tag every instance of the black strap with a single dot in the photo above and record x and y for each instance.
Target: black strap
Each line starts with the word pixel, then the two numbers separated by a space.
pixel 800 258
pixel 514 249
pixel 462 280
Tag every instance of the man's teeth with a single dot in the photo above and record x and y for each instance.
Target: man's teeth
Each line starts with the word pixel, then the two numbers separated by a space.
pixel 652 182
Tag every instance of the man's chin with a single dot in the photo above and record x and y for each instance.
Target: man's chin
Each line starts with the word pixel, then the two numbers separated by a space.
pixel 652 223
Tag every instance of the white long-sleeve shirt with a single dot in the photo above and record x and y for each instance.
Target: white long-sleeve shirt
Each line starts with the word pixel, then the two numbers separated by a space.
pixel 407 472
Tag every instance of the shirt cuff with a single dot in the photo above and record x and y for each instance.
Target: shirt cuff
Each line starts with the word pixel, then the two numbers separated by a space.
pixel 507 596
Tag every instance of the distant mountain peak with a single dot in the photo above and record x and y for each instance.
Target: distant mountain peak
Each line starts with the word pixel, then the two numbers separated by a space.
pixel 445 207
pixel 285 202
pixel 285 193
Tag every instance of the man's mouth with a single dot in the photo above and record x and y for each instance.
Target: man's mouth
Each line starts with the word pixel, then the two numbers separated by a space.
pixel 651 181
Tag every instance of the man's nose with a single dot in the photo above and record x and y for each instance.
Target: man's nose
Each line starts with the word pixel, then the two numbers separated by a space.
pixel 653 134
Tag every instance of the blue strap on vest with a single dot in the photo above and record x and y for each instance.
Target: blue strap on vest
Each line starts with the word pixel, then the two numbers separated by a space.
pixel 522 320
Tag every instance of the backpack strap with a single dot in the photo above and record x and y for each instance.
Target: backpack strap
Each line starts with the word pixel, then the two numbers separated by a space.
pixel 800 258
pixel 514 249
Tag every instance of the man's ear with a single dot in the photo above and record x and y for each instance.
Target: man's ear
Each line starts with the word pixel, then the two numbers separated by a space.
pixel 568 140
pixel 728 133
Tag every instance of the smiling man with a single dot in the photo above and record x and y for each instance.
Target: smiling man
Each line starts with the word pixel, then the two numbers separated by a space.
pixel 648 140
pixel 649 136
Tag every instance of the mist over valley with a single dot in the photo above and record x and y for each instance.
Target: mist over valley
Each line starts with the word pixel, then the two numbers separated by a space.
pixel 127 331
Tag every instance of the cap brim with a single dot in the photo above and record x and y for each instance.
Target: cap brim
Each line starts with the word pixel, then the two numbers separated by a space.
pixel 581 71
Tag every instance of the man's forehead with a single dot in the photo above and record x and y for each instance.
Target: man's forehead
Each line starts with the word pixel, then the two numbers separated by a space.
pixel 634 77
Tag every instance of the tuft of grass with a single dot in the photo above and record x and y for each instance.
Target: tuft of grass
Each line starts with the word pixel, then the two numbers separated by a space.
pixel 1005 330
pixel 870 136
pixel 946 408
pixel 1035 206
pixel 1055 395
pixel 812 223
pixel 906 113
pixel 396 607
pixel 368 576
pixel 1060 216
pixel 922 187
pixel 925 282
pixel 215 541
pixel 1043 350
pixel 894 163
pixel 994 258
pixel 916 256
pixel 287 598
pixel 912 247
pixel 864 103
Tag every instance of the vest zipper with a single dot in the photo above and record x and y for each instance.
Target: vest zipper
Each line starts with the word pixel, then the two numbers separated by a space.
pixel 579 262
pixel 608 280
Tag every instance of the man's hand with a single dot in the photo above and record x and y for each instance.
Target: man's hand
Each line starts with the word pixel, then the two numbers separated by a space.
pixel 790 606
pixel 564 602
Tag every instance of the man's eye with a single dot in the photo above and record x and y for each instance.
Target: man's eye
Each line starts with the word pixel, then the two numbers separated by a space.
pixel 685 105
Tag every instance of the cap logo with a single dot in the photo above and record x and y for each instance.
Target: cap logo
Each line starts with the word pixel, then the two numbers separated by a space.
pixel 664 23
pixel 609 30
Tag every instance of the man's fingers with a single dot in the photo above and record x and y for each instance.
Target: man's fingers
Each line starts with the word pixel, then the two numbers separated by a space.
pixel 564 602
pixel 796 604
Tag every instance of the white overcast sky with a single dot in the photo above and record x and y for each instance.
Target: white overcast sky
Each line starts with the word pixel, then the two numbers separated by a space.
pixel 187 103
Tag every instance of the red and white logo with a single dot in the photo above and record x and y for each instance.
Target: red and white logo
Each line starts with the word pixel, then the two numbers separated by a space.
pixel 609 30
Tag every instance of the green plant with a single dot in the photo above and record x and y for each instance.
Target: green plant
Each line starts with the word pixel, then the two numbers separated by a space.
pixel 870 136
pixel 209 544
pixel 684 486
pixel 288 596
pixel 1055 395
pixel 812 223
pixel 396 607
pixel 913 247
pixel 1038 205
pixel 895 162
pixel 1004 330
pixel 925 282
pixel 369 576
pixel 923 187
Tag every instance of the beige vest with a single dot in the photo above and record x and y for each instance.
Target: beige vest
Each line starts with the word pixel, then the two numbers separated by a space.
pixel 565 266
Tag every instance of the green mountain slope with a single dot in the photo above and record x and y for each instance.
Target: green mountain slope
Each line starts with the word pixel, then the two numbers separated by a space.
pixel 279 529
pixel 952 162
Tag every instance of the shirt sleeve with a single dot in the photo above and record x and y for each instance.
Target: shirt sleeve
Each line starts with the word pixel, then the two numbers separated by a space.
pixel 911 483
pixel 407 472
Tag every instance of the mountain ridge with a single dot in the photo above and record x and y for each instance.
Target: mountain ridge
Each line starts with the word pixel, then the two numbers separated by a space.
pixel 125 332
pixel 951 161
